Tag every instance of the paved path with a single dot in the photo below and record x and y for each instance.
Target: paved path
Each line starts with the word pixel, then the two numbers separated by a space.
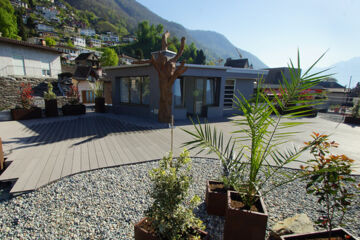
pixel 45 150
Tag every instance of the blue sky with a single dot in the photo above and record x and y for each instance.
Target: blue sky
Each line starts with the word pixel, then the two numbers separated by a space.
pixel 273 30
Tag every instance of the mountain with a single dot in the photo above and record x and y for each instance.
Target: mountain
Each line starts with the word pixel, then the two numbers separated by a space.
pixel 128 13
pixel 344 69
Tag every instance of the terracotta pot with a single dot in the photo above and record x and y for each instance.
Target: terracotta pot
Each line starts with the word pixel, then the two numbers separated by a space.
pixel 51 109
pixel 244 224
pixel 73 109
pixel 99 104
pixel 216 198
pixel 143 234
pixel 352 120
pixel 337 232
pixel 23 113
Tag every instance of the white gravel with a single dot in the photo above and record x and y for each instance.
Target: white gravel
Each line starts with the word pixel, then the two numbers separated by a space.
pixel 104 204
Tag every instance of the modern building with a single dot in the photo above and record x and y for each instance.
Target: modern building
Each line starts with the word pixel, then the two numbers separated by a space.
pixel 19 58
pixel 43 27
pixel 87 32
pixel 126 60
pixel 202 90
pixel 95 43
pixel 109 37
pixel 79 41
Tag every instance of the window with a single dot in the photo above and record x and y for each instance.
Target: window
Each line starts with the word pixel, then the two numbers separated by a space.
pixel 45 68
pixel 179 93
pixel 212 91
pixel 135 90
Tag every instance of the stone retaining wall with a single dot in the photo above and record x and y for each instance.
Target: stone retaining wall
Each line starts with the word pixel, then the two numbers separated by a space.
pixel 10 86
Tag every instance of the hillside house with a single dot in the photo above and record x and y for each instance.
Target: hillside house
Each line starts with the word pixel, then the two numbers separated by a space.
pixel 201 90
pixel 95 43
pixel 44 28
pixel 79 41
pixel 19 58
pixel 87 32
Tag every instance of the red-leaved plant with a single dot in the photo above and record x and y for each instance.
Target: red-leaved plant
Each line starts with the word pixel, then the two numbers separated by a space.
pixel 327 174
pixel 26 97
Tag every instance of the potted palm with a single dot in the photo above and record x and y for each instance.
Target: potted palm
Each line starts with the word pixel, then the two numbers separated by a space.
pixel 73 107
pixel 98 89
pixel 51 109
pixel 27 111
pixel 263 126
pixel 168 217
pixel 327 174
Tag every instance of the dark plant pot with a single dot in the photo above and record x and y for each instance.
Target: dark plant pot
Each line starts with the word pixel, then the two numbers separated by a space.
pixel 23 113
pixel 51 109
pixel 75 109
pixel 143 234
pixel 352 120
pixel 244 224
pixel 216 198
pixel 99 104
pixel 337 232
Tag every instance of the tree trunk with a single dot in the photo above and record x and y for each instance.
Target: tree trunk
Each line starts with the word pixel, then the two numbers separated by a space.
pixel 165 104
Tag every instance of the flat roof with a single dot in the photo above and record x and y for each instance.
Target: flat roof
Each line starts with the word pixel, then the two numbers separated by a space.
pixel 198 66
pixel 29 45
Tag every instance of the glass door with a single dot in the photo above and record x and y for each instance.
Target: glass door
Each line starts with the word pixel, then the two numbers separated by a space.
pixel 198 95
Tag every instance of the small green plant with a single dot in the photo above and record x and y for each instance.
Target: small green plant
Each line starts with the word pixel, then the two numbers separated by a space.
pixel 327 174
pixel 98 88
pixel 168 215
pixel 49 94
pixel 356 110
pixel 262 129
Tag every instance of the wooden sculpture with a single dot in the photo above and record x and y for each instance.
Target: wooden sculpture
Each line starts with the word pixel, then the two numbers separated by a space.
pixel 168 73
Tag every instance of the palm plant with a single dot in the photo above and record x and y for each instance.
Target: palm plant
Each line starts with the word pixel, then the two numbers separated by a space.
pixel 264 129
pixel 98 88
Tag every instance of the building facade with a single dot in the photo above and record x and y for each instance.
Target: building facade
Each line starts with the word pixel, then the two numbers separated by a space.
pixel 18 58
pixel 202 90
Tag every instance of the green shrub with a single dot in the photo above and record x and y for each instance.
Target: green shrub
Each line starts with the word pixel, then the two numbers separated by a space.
pixel 98 88
pixel 49 94
pixel 170 215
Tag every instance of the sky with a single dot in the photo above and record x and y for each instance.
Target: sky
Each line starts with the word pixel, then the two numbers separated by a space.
pixel 273 30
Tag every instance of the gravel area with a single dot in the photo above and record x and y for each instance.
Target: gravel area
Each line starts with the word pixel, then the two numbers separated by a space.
pixel 104 204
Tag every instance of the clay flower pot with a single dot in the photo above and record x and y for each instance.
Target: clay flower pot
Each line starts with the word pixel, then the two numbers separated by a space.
pixel 216 198
pixel 73 109
pixel 244 224
pixel 23 113
pixel 51 109
pixel 99 104
pixel 141 230
pixel 336 234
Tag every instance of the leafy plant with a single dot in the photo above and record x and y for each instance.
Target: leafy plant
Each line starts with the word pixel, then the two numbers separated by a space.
pixel 73 95
pixel 356 110
pixel 168 215
pixel 26 97
pixel 327 175
pixel 263 128
pixel 98 88
pixel 49 94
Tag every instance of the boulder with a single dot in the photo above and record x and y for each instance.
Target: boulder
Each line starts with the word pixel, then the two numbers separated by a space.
pixel 299 223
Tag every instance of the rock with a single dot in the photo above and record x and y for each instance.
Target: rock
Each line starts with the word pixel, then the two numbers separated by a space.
pixel 299 223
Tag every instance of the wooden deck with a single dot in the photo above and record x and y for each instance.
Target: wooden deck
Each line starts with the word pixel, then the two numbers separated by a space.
pixel 44 150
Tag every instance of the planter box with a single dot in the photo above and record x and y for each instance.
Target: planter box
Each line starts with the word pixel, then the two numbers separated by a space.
pixel 75 109
pixel 352 120
pixel 216 198
pixel 23 113
pixel 51 109
pixel 5 115
pixel 100 105
pixel 340 233
pixel 244 224
pixel 143 234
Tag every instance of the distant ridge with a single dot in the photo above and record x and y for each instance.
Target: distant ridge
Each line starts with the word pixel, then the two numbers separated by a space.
pixel 128 13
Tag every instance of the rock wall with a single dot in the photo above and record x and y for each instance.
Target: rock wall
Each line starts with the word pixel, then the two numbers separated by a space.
pixel 10 86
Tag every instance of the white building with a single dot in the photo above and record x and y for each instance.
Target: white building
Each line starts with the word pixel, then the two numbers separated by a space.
pixel 79 41
pixel 87 32
pixel 109 37
pixel 19 58
pixel 95 42
pixel 44 27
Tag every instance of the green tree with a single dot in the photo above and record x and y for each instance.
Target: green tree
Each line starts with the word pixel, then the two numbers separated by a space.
pixel 8 26
pixel 109 57
pixel 50 41
pixel 200 57
pixel 148 38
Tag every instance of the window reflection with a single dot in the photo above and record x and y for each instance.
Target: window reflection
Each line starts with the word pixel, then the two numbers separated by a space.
pixel 135 90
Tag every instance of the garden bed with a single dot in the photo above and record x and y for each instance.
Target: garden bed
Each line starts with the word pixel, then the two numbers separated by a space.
pixel 107 203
